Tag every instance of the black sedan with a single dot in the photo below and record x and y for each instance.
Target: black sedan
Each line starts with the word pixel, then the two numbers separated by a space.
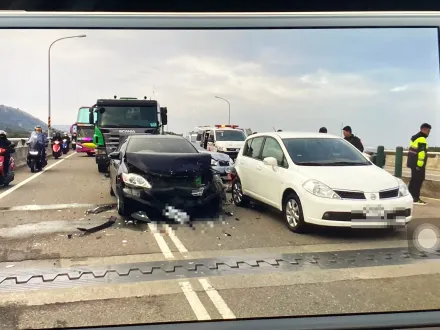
pixel 154 172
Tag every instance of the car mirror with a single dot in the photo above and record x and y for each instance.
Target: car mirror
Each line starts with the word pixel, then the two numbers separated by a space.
pixel 271 161
pixel 115 155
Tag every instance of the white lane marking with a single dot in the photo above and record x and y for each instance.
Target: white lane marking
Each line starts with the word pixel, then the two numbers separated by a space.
pixel 163 246
pixel 194 301
pixel 49 207
pixel 22 183
pixel 175 239
pixel 217 300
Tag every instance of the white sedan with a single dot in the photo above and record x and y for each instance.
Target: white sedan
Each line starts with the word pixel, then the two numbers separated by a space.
pixel 319 179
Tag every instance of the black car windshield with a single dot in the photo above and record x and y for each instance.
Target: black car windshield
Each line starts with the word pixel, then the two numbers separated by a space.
pixel 323 152
pixel 229 135
pixel 128 117
pixel 165 145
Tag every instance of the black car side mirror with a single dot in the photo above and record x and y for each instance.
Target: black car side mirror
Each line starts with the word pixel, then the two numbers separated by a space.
pixel 115 155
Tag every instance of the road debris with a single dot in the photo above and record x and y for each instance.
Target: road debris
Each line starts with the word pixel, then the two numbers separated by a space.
pixel 101 208
pixel 141 216
pixel 229 213
pixel 111 221
pixel 69 236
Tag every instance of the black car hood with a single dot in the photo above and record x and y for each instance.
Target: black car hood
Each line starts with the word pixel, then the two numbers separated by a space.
pixel 169 164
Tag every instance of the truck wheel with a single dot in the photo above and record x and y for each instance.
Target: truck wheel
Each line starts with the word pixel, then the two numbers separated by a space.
pixel 102 168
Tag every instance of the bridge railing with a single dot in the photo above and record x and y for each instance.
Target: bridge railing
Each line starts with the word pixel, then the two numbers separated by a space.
pixel 397 159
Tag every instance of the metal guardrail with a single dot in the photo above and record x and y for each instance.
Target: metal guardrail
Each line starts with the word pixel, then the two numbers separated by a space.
pixel 434 153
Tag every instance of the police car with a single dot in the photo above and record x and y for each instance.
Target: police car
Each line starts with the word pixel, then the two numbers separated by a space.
pixel 228 139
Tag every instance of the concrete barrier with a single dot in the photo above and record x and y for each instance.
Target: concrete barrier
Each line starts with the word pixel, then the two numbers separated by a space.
pixel 430 188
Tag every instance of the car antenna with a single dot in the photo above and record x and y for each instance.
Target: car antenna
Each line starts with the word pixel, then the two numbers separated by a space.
pixel 274 129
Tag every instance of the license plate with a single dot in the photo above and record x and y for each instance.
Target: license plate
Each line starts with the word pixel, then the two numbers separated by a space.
pixel 374 211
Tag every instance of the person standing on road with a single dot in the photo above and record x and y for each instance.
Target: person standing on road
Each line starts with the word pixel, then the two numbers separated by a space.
pixel 416 161
pixel 354 140
pixel 323 130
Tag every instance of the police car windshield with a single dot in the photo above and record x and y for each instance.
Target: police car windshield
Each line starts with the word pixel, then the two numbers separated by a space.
pixel 229 135
pixel 173 146
pixel 128 117
pixel 323 152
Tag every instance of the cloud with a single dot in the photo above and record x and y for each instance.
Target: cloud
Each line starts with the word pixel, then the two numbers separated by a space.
pixel 292 79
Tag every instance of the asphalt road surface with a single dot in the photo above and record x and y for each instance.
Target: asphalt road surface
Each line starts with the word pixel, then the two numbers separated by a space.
pixel 244 264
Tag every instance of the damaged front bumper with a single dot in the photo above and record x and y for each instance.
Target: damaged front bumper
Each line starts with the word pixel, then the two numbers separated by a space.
pixel 181 197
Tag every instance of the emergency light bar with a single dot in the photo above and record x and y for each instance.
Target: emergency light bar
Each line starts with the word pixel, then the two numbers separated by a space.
pixel 223 126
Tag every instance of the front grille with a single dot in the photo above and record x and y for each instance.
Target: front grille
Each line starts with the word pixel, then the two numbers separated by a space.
pixel 167 182
pixel 348 216
pixel 232 149
pixel 393 193
pixel 350 194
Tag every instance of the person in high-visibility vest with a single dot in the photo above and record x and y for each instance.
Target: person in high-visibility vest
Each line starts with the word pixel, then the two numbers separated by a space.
pixel 416 161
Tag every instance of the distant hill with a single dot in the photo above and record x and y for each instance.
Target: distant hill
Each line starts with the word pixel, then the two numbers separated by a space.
pixel 18 123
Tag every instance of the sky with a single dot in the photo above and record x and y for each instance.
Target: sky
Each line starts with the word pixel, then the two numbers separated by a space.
pixel 384 83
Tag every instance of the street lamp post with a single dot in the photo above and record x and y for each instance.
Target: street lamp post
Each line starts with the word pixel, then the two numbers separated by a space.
pixel 49 125
pixel 229 104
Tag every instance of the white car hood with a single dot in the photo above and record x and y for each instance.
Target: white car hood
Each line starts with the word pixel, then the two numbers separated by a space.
pixel 361 178
pixel 230 144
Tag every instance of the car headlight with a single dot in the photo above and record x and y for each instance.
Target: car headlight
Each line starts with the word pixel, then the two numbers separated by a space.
pixel 403 189
pixel 214 162
pixel 135 181
pixel 319 189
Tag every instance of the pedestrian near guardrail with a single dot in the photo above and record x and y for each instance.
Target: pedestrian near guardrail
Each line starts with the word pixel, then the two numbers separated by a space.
pixel 354 140
pixel 416 161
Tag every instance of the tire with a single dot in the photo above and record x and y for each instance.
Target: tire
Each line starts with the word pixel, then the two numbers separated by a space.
pixel 32 166
pixel 56 157
pixel 90 154
pixel 124 206
pixel 112 193
pixel 238 197
pixel 102 168
pixel 293 213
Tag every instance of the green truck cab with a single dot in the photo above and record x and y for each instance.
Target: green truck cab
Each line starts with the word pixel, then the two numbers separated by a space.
pixel 117 118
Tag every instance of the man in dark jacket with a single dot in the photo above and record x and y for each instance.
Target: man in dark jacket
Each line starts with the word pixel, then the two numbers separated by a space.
pixel 416 161
pixel 354 140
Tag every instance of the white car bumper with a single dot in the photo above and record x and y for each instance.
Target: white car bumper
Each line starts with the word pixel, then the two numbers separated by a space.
pixel 355 213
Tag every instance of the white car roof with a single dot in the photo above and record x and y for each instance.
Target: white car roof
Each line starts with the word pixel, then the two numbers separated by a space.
pixel 296 135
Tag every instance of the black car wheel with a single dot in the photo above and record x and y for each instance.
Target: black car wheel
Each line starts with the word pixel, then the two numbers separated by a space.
pixel 124 206
pixel 102 168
